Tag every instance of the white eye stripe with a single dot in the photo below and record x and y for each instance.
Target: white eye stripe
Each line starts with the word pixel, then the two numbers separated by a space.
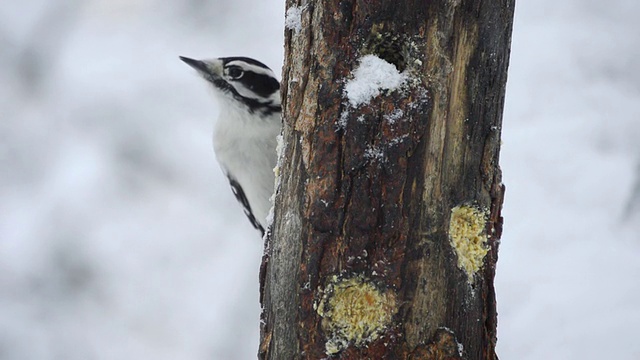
pixel 243 87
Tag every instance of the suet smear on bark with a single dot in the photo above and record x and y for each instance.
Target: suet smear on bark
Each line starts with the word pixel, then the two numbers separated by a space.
pixel 354 311
pixel 468 238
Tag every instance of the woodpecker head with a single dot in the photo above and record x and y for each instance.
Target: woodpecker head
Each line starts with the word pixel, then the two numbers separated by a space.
pixel 242 79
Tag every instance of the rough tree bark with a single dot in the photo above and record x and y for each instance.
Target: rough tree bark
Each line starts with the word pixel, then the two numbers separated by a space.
pixel 387 215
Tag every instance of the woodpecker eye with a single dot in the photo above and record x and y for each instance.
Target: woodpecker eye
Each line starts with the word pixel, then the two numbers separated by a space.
pixel 235 72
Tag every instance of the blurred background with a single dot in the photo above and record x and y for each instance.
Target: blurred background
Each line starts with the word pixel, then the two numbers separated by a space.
pixel 120 238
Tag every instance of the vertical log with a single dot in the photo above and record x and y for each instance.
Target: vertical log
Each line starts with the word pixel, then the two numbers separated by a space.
pixel 387 215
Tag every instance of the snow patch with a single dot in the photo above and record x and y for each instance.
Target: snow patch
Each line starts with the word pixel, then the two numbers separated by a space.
pixel 341 124
pixel 370 77
pixel 293 19
pixel 396 115
pixel 276 185
pixel 398 140
pixel 374 153
pixel 280 157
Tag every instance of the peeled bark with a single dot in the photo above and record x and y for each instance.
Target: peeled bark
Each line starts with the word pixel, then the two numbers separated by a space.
pixel 387 215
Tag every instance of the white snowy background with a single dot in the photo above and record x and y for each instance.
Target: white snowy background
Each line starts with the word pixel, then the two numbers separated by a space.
pixel 120 238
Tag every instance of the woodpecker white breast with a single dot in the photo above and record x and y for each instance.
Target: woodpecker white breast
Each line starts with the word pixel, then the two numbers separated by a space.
pixel 245 134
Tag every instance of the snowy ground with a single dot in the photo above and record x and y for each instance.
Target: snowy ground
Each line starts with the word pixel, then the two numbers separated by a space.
pixel 119 237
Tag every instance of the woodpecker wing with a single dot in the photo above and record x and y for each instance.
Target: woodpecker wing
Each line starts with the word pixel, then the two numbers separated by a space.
pixel 242 199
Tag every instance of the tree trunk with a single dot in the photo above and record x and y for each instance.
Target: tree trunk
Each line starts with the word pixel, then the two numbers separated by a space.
pixel 387 212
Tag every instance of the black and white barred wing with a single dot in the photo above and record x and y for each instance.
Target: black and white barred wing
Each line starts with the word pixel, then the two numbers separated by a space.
pixel 242 199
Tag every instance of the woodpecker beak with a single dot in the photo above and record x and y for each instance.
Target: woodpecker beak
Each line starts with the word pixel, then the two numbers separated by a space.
pixel 196 64
pixel 211 70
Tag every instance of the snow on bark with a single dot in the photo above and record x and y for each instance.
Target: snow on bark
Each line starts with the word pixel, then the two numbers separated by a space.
pixel 293 19
pixel 370 77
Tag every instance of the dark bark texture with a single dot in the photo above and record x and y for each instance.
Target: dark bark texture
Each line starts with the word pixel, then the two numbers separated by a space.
pixel 361 261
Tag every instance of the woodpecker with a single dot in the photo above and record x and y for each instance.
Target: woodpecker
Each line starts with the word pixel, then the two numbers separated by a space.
pixel 244 138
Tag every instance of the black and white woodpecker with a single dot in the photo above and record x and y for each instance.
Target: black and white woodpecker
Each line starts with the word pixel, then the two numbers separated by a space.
pixel 244 138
